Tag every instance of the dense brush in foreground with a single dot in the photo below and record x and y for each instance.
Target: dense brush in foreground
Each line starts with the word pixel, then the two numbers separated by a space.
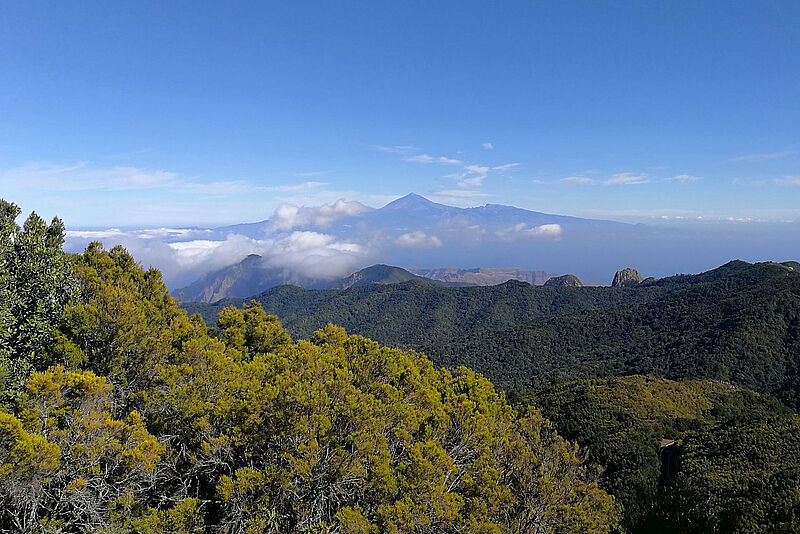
pixel 732 463
pixel 122 414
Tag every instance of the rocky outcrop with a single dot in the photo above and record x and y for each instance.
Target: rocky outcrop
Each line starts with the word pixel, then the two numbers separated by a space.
pixel 627 278
pixel 483 276
pixel 569 280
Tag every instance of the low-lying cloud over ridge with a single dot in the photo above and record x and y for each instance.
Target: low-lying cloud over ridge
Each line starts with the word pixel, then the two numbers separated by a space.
pixel 524 231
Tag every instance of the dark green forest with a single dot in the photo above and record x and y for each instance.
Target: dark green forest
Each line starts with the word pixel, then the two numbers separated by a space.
pixel 737 453
pixel 121 413
pixel 415 313
pixel 739 323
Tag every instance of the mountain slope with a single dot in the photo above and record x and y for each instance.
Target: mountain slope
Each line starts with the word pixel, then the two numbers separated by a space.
pixel 739 323
pixel 414 313
pixel 482 276
pixel 252 276
pixel 620 424
pixel 247 277
pixel 381 274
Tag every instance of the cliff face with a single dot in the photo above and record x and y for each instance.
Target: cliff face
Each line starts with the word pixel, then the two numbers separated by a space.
pixel 627 278
pixel 483 276
pixel 565 280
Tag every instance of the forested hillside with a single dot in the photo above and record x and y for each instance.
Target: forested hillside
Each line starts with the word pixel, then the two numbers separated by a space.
pixel 415 314
pixel 737 453
pixel 739 324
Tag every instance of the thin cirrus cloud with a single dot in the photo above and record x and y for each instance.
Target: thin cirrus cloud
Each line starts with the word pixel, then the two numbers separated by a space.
pixel 471 175
pixel 463 193
pixel 475 181
pixel 627 178
pixel 233 187
pixel 425 158
pixel 788 180
pixel 394 149
pixel 765 156
pixel 505 167
pixel 685 178
pixel 83 176
pixel 620 178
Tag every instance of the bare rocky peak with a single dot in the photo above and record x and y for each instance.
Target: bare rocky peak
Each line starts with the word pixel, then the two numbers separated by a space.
pixel 569 280
pixel 627 278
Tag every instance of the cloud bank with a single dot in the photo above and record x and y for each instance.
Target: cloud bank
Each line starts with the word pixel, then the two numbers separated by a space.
pixel 524 231
pixel 288 216
pixel 418 239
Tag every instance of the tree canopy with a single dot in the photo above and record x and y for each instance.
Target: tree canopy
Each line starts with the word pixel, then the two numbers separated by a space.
pixel 141 419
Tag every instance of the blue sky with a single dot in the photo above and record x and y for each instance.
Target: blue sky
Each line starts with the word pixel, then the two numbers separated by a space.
pixel 193 113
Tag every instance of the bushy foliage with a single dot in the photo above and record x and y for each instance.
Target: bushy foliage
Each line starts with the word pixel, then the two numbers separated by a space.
pixel 35 284
pixel 741 476
pixel 737 452
pixel 143 422
pixel 68 464
pixel 340 433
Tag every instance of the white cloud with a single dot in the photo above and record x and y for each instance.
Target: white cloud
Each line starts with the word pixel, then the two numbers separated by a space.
pixel 627 178
pixel 683 178
pixel 525 231
pixel 472 175
pixel 788 180
pixel 239 186
pixel 475 181
pixel 220 188
pixel 395 149
pixel 288 216
pixel 463 193
pixel 82 176
pixel 419 239
pixel 422 158
pixel 766 156
pixel 315 255
pixel 302 254
pixel 305 186
pixel 505 167
pixel 93 235
pixel 425 158
pixel 477 169
pixel 147 233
